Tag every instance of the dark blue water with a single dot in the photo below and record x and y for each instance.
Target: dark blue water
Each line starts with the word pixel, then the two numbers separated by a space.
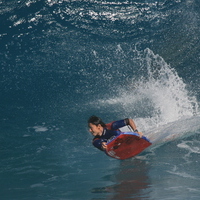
pixel 62 61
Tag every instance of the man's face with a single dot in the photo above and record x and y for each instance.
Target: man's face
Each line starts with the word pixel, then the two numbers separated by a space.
pixel 95 129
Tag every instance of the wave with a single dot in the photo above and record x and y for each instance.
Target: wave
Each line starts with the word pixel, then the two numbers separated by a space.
pixel 158 100
pixel 108 19
pixel 159 92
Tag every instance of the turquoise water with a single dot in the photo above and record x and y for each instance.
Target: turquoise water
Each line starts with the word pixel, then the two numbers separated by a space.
pixel 62 61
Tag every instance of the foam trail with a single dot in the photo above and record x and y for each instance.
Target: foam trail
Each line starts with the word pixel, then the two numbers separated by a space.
pixel 167 91
pixel 174 111
pixel 159 98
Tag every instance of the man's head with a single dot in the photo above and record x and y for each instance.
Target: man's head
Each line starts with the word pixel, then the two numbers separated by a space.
pixel 96 125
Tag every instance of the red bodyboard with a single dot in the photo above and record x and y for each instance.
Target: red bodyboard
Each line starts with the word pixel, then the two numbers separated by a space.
pixel 126 145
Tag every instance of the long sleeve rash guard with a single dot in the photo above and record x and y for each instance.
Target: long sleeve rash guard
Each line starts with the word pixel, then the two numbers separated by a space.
pixel 111 129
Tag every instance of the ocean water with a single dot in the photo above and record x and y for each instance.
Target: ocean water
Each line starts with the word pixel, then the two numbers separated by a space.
pixel 62 61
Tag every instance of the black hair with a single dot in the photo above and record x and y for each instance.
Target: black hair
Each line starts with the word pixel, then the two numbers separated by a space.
pixel 96 121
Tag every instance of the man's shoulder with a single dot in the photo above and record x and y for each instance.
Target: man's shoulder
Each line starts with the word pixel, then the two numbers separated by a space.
pixel 96 138
pixel 115 125
pixel 109 125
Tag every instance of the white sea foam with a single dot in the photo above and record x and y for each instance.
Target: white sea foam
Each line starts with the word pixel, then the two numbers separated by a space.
pixel 161 97
pixel 20 21
pixel 183 174
pixel 190 146
pixel 37 185
pixel 40 128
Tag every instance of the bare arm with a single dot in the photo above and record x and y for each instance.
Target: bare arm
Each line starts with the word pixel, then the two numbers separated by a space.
pixel 133 126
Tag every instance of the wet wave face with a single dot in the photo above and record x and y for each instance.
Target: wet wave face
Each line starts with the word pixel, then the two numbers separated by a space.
pixel 64 60
pixel 82 39
pixel 109 19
